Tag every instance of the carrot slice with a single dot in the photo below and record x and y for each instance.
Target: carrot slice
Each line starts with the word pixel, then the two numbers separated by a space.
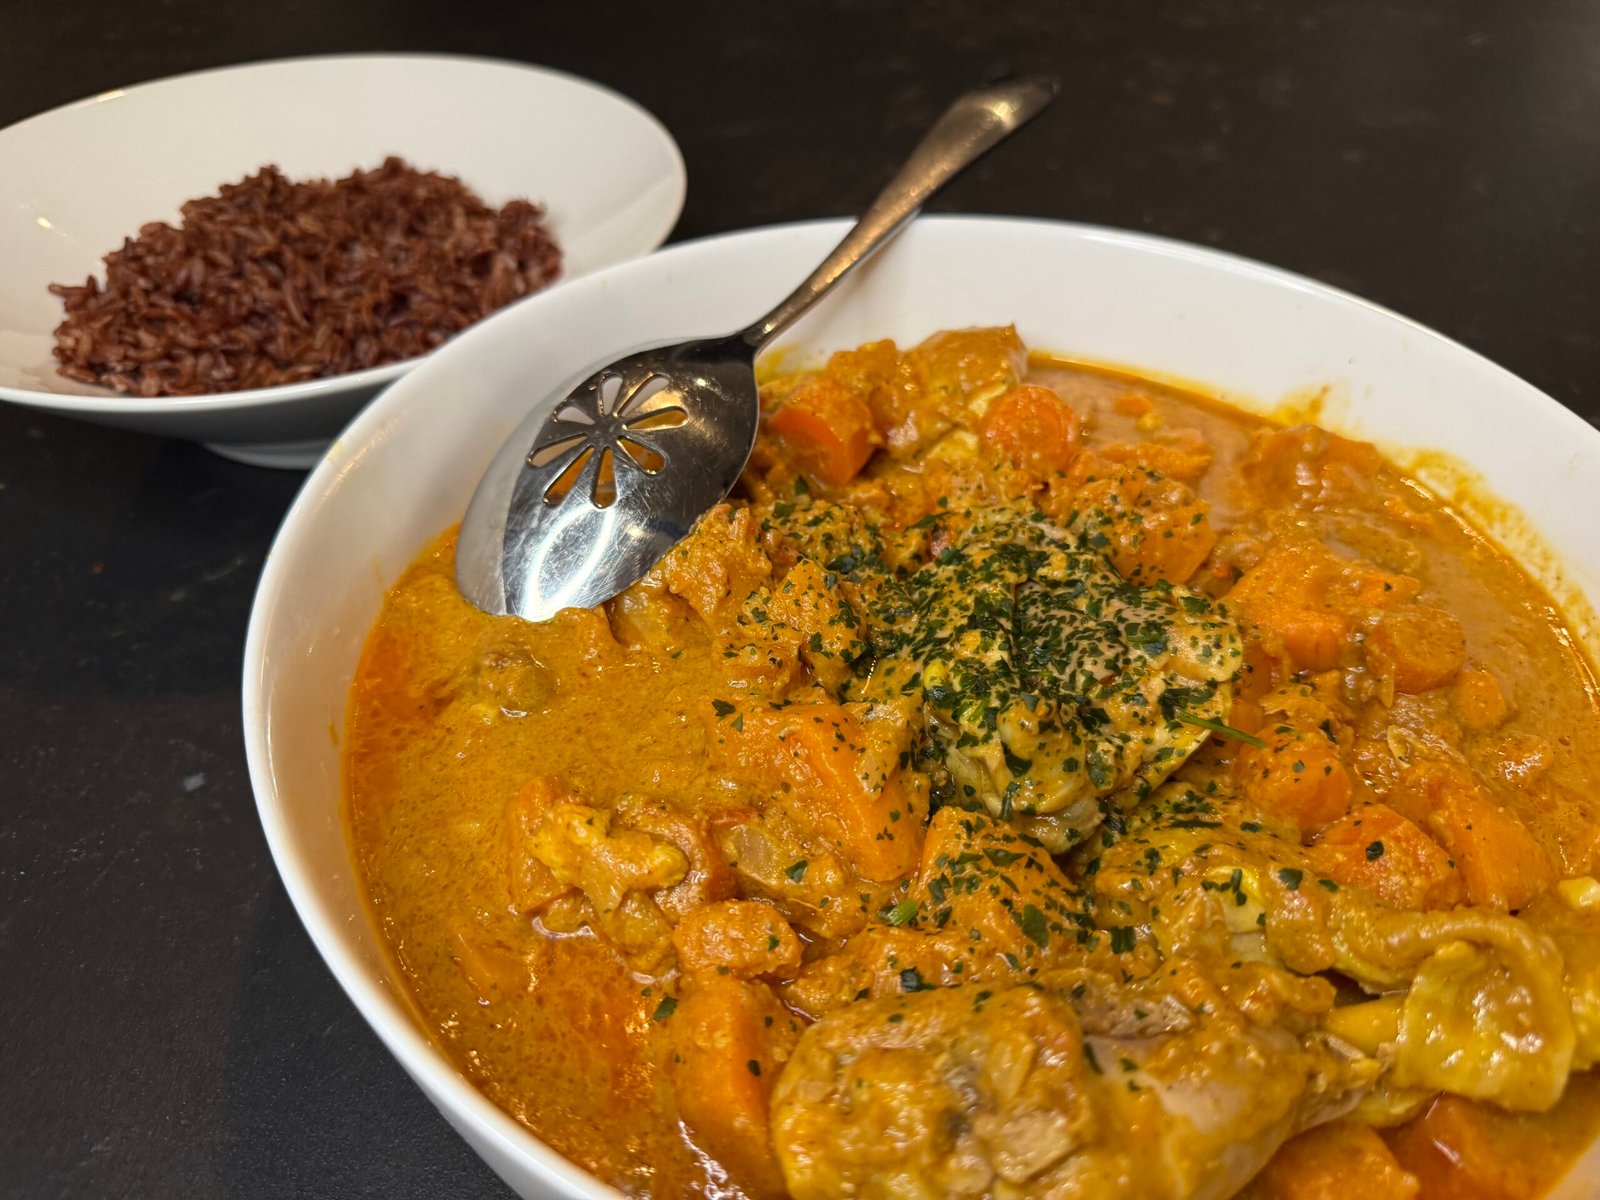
pixel 1419 647
pixel 1033 427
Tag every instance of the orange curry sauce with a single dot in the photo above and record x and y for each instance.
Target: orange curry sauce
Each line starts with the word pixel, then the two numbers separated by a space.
pixel 822 864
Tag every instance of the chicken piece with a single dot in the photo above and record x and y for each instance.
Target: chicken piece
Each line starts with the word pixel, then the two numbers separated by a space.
pixel 850 544
pixel 995 893
pixel 892 390
pixel 575 864
pixel 718 564
pixel 1033 1091
pixel 1472 1024
pixel 744 938
pixel 647 616
pixel 575 842
pixel 1196 874
pixel 776 857
pixel 513 681
pixel 1183 454
pixel 532 884
pixel 832 633
pixel 1485 1013
pixel 1501 864
pixel 882 960
pixel 708 877
pixel 1050 684
pixel 753 652
pixel 1199 881
pixel 1569 915
pixel 960 366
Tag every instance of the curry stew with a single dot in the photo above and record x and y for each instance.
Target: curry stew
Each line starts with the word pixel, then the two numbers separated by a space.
pixel 1038 782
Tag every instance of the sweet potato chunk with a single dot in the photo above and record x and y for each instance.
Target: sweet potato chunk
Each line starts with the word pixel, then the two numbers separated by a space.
pixel 1152 528
pixel 1377 849
pixel 842 776
pixel 1309 598
pixel 1340 1161
pixel 1463 1150
pixel 1478 700
pixel 1297 775
pixel 1500 863
pixel 730 1038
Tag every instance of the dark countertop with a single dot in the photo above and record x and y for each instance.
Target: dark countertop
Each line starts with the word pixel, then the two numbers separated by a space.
pixel 166 1028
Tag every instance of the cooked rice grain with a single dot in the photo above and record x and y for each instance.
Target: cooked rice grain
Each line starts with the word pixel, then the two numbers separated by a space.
pixel 275 282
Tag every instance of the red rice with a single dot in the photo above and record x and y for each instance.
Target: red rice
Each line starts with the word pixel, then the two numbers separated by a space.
pixel 275 282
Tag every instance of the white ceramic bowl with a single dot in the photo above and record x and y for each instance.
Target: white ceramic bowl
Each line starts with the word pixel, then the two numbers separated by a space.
pixel 76 181
pixel 407 466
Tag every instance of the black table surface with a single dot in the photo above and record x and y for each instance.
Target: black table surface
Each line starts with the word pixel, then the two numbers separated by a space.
pixel 166 1028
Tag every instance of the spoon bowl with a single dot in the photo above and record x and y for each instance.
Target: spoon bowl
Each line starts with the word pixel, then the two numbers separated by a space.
pixel 603 483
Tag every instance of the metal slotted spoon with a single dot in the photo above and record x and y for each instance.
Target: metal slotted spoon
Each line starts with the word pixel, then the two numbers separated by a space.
pixel 595 487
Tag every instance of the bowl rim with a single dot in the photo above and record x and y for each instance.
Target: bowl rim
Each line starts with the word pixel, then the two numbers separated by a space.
pixel 108 400
pixel 439 1078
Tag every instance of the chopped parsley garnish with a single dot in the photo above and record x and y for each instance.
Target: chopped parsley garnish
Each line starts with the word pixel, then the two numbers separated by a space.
pixel 1033 925
pixel 911 981
pixel 900 914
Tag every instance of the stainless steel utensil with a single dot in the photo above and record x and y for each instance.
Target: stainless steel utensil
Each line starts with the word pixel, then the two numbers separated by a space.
pixel 596 485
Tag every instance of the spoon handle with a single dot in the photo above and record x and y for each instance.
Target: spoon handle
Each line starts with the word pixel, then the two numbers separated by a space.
pixel 971 126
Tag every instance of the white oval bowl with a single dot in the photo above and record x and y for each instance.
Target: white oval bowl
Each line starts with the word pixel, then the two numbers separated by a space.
pixel 76 181
pixel 406 468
